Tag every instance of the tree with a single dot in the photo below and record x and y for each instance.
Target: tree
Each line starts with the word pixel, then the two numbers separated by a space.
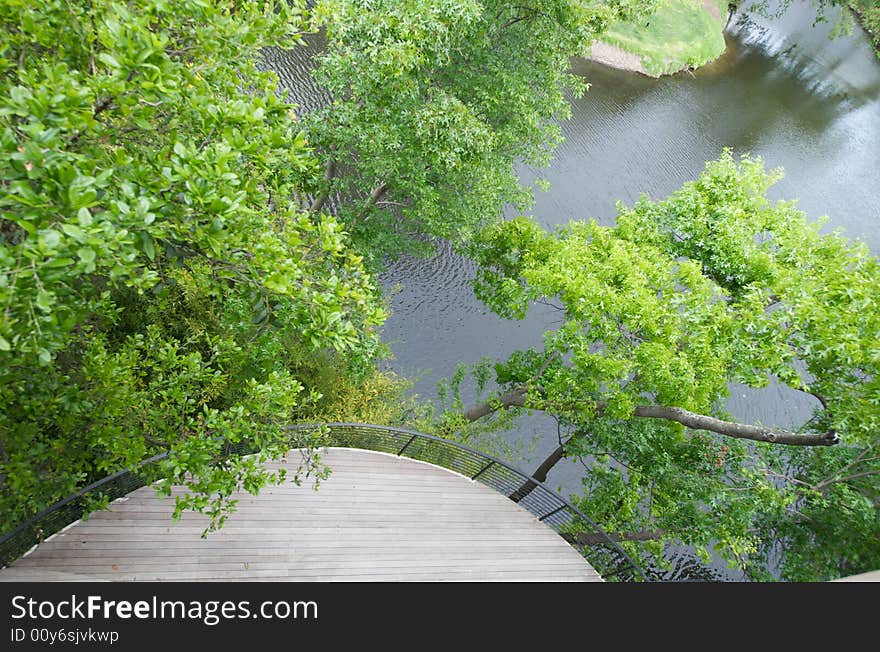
pixel 160 291
pixel 433 102
pixel 661 313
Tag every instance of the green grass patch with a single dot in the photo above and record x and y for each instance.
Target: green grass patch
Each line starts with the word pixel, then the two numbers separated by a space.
pixel 681 33
pixel 868 12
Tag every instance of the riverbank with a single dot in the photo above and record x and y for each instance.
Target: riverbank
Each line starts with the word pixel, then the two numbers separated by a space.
pixel 687 34
pixel 682 35
pixel 867 13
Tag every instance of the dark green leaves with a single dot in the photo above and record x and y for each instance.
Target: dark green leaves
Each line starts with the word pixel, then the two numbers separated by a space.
pixel 145 197
pixel 437 102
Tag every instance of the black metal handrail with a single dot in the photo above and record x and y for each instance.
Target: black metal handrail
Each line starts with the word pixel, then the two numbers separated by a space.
pixel 68 510
pixel 547 505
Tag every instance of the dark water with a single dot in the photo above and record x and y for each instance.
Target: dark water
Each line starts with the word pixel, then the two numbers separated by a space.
pixel 783 91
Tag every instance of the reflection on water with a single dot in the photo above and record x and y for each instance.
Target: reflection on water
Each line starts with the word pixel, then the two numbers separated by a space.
pixel 822 64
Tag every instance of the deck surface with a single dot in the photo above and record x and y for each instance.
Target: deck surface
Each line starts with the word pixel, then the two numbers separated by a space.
pixel 377 518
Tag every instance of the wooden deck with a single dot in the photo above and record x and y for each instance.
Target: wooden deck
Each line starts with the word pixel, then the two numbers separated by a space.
pixel 377 518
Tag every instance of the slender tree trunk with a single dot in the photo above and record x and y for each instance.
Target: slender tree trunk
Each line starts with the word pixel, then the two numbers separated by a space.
pixel 517 397
pixel 377 194
pixel 320 200
pixel 594 538
pixel 540 475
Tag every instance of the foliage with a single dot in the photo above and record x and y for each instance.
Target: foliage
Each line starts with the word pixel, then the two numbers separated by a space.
pixel 836 525
pixel 868 12
pixel 162 289
pixel 434 101
pixel 159 288
pixel 711 286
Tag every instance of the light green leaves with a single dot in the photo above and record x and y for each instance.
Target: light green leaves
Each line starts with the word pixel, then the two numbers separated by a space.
pixel 712 286
pixel 51 238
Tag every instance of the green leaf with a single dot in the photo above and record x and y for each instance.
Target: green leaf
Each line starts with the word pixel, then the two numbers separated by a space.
pixel 74 232
pixel 81 192
pixel 84 216
pixel 51 237
pixel 19 94
pixel 149 248
pixel 109 59
pixel 45 300
pixel 86 254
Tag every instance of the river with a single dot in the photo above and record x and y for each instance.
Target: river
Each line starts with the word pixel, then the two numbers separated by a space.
pixel 783 90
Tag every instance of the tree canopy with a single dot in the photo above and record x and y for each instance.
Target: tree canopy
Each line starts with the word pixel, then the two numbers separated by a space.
pixel 433 104
pixel 163 289
pixel 661 313
pixel 160 290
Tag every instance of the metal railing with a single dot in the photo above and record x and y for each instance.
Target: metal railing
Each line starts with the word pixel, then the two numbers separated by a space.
pixel 609 559
pixel 68 510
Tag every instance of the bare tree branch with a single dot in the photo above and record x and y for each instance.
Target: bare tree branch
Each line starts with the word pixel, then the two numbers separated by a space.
pixel 861 458
pixel 819 398
pixel 789 478
pixel 550 304
pixel 377 194
pixel 513 398
pixel 321 199
pixel 391 203
pixel 517 398
pixel 826 483
pixel 594 538
pixel 540 474
pixel 154 441
pixel 733 429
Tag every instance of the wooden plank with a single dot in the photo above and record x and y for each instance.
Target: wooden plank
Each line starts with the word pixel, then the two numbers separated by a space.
pixel 328 548
pixel 439 567
pixel 378 518
pixel 328 535
pixel 255 514
pixel 44 575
